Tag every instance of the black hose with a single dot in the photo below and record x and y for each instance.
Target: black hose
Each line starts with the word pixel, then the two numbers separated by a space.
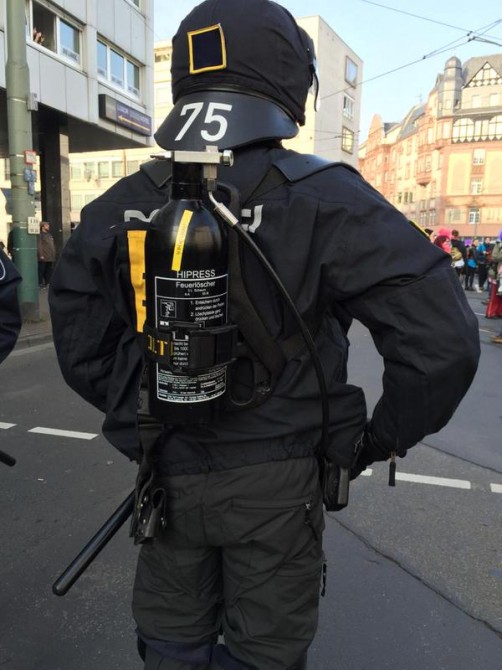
pixel 246 238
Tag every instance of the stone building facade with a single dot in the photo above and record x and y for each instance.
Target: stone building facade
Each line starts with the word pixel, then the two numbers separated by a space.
pixel 442 164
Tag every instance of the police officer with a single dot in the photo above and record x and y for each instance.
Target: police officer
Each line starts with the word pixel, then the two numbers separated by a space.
pixel 10 316
pixel 240 549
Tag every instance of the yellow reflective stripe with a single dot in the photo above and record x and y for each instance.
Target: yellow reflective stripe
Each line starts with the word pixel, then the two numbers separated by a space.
pixel 180 240
pixel 136 243
pixel 418 227
pixel 217 28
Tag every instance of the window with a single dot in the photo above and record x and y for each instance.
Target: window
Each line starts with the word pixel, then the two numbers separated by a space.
pixel 132 78
pixel 117 169
pixel 474 215
pixel 463 130
pixel 132 166
pixel 494 99
pixel 453 215
pixel 75 171
pixel 69 40
pixel 77 200
pixel 162 56
pixel 348 140
pixel 348 107
pixel 350 71
pixel 103 169
pixel 478 157
pixel 89 170
pixel 58 35
pixel 495 127
pixel 117 69
pixel 102 59
pixel 476 186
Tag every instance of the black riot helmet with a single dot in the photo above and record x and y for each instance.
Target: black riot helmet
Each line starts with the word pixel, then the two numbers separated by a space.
pixel 241 71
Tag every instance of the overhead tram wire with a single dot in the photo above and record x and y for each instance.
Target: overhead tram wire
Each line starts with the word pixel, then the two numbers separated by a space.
pixel 417 16
pixel 469 37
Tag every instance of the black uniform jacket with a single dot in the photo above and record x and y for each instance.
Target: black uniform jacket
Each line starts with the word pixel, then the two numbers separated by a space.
pixel 10 316
pixel 342 252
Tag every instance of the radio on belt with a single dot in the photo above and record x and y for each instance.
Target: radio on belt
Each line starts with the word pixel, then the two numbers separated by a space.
pixel 187 338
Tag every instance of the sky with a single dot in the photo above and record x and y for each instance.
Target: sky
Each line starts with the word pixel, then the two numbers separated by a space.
pixel 412 39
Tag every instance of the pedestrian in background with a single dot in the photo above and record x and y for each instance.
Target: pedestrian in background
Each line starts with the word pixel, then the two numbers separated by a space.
pixel 46 253
pixel 471 266
pixel 444 243
pixel 497 339
pixel 482 265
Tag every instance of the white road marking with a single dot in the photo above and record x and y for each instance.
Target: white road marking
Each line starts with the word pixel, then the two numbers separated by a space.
pixel 435 481
pixel 496 488
pixel 425 479
pixel 6 426
pixel 63 433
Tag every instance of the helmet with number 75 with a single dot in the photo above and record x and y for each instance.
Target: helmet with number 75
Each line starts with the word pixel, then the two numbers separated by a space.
pixel 241 72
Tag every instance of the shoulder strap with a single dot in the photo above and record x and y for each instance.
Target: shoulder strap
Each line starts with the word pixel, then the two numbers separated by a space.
pixel 294 168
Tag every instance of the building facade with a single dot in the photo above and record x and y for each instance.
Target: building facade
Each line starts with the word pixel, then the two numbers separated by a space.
pixel 332 132
pixel 442 164
pixel 91 86
pixel 92 173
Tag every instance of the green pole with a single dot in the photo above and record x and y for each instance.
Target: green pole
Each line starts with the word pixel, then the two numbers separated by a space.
pixel 20 140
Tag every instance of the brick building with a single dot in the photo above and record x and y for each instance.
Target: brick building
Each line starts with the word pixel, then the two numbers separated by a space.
pixel 442 164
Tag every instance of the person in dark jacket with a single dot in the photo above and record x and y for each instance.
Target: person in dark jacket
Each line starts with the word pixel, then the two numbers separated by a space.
pixel 457 243
pixel 10 315
pixel 238 547
pixel 46 254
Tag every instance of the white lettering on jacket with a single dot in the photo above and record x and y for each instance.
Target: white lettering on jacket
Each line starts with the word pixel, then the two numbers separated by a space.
pixel 256 215
pixel 130 214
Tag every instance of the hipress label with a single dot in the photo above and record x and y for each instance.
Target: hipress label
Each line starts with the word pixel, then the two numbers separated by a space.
pixel 190 296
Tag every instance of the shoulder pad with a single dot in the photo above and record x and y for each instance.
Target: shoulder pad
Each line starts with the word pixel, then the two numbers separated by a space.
pixel 299 166
pixel 157 171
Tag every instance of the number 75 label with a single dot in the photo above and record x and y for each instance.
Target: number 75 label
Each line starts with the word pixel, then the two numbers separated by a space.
pixel 210 117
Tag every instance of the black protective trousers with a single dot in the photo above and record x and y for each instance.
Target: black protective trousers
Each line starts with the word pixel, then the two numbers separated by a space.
pixel 240 562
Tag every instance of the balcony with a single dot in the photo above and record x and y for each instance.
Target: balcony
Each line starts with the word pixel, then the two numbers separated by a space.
pixel 423 177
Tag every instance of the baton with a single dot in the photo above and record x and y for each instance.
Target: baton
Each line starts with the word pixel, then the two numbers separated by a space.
pixel 7 459
pixel 96 544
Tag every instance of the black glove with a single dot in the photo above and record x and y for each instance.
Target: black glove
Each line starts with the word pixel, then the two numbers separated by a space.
pixel 370 451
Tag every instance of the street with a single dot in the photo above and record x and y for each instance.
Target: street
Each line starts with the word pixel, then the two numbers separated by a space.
pixel 414 572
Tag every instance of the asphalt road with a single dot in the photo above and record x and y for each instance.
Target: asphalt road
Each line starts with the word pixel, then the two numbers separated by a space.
pixel 415 571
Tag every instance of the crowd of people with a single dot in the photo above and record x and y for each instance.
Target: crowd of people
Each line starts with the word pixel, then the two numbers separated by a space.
pixel 478 263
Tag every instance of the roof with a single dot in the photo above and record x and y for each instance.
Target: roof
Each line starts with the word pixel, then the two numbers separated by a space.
pixel 409 124
pixel 474 65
